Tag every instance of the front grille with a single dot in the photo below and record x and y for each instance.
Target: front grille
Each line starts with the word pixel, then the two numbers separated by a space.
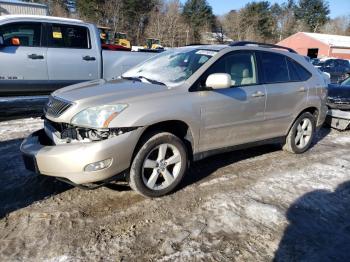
pixel 60 127
pixel 339 101
pixel 56 107
pixel 62 130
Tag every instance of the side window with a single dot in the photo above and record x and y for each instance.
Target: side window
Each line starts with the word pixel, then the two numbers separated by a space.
pixel 29 34
pixel 274 67
pixel 293 71
pixel 241 66
pixel 242 69
pixel 303 74
pixel 69 36
pixel 343 63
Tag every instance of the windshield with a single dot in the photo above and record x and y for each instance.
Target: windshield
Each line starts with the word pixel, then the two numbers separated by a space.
pixel 346 82
pixel 172 67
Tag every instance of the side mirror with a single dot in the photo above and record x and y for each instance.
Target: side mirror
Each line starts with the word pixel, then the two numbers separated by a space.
pixel 15 41
pixel 219 81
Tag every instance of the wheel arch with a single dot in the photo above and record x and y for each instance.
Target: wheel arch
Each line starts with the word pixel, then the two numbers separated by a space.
pixel 178 128
pixel 311 109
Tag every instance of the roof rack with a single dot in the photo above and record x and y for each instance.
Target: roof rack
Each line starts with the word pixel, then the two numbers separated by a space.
pixel 245 43
pixel 194 44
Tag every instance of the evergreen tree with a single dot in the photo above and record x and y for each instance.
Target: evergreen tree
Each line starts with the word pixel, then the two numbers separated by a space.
pixel 136 14
pixel 198 14
pixel 314 13
pixel 90 10
pixel 257 20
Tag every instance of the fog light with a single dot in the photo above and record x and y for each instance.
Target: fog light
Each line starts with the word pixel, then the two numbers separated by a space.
pixel 98 165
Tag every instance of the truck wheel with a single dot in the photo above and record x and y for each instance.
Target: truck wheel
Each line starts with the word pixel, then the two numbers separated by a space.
pixel 159 165
pixel 301 134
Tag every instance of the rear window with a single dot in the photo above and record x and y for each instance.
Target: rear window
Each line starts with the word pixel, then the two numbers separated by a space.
pixel 343 63
pixel 274 67
pixel 69 36
pixel 296 71
pixel 293 71
pixel 278 68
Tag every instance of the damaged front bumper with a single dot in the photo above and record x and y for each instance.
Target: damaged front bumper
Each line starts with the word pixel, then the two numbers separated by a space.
pixel 79 161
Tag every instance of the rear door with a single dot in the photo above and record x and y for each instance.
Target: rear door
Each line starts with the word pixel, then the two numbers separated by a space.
pixel 72 58
pixel 287 91
pixel 23 67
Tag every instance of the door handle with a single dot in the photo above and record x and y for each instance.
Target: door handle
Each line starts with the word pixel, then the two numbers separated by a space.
pixel 302 89
pixel 258 94
pixel 35 56
pixel 89 58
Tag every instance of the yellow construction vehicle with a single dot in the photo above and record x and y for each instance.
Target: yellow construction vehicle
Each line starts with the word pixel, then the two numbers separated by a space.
pixel 122 39
pixel 153 43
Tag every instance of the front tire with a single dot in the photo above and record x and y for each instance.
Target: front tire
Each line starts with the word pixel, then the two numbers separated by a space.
pixel 159 165
pixel 300 136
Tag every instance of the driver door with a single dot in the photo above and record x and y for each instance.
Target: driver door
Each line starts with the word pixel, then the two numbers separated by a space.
pixel 234 115
pixel 23 67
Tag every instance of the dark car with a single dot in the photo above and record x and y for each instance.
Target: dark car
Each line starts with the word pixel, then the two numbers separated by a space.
pixel 339 69
pixel 315 61
pixel 339 95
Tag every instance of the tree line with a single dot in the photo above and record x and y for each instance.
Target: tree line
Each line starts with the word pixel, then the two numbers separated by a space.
pixel 177 24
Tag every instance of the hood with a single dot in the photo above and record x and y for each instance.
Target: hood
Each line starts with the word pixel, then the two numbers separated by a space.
pixel 338 97
pixel 104 92
pixel 338 91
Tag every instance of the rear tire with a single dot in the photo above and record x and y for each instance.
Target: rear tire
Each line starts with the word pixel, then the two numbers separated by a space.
pixel 301 135
pixel 159 165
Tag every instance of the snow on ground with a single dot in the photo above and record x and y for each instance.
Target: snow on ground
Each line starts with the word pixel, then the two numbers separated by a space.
pixel 19 128
pixel 257 204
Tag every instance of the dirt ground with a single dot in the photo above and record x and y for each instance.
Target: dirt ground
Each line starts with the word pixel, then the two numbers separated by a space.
pixel 259 204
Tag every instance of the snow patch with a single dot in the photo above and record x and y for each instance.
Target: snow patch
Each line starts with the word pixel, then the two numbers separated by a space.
pixel 342 140
pixel 188 255
pixel 19 128
pixel 264 213
pixel 215 181
pixel 220 210
pixel 63 258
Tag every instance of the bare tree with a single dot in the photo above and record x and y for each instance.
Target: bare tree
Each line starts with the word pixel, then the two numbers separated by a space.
pixel 166 23
pixel 231 25
pixel 57 8
pixel 114 15
pixel 337 26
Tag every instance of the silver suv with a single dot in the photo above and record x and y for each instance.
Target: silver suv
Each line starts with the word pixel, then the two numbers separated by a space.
pixel 180 106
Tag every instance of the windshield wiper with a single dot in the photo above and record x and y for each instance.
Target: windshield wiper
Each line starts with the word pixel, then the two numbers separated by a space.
pixel 139 78
pixel 152 81
pixel 132 78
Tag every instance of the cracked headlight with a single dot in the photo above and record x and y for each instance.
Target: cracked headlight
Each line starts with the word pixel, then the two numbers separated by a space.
pixel 98 117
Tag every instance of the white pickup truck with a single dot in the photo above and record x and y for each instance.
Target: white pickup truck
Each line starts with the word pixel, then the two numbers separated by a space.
pixel 39 54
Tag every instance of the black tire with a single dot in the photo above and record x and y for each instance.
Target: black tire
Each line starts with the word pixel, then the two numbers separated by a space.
pixel 291 145
pixel 148 145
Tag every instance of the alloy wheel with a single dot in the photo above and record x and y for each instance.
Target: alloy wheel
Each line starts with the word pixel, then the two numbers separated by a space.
pixel 161 167
pixel 304 133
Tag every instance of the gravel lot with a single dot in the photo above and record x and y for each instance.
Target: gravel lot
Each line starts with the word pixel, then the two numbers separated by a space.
pixel 260 204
